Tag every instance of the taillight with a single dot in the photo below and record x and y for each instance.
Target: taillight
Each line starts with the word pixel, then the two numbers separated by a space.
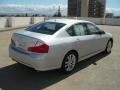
pixel 12 42
pixel 39 48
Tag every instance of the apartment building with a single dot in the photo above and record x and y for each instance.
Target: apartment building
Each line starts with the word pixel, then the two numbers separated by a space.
pixel 86 8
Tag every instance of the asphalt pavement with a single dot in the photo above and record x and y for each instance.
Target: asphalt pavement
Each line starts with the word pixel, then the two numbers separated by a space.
pixel 101 72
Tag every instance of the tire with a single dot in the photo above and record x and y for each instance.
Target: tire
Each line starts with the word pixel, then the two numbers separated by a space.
pixel 108 47
pixel 69 62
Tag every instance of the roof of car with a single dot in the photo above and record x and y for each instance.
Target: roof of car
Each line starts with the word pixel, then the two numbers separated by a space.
pixel 67 21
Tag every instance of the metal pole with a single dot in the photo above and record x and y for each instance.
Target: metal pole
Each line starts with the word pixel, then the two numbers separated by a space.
pixel 104 17
pixel 77 10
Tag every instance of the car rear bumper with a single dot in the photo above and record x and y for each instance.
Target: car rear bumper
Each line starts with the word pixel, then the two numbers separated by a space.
pixel 36 61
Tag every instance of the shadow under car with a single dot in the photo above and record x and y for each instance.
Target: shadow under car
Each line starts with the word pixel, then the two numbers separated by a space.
pixel 20 77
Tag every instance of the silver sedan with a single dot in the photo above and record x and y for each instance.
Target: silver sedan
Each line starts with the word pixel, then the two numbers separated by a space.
pixel 58 44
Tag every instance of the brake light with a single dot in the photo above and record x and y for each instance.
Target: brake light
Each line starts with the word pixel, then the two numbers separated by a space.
pixel 12 42
pixel 39 48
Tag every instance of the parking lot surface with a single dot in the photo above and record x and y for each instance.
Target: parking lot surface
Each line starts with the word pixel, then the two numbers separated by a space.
pixel 101 72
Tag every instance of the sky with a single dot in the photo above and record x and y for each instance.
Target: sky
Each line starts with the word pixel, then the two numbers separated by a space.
pixel 42 2
pixel 111 6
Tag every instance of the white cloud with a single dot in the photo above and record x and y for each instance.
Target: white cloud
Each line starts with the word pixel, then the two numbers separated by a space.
pixel 116 11
pixel 41 9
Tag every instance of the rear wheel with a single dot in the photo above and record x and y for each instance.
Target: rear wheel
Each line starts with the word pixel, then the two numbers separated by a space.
pixel 69 62
pixel 108 47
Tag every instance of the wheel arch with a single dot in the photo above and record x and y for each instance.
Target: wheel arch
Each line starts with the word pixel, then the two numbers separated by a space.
pixel 111 39
pixel 72 51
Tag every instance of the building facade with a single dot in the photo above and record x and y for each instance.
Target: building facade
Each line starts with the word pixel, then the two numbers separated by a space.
pixel 86 8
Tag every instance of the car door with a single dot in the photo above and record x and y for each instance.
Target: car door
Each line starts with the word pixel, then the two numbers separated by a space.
pixel 80 33
pixel 84 40
pixel 98 40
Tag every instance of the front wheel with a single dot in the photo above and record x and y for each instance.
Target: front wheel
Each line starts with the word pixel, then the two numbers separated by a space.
pixel 69 62
pixel 108 47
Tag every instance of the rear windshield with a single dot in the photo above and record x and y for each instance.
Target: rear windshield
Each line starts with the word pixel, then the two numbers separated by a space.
pixel 46 27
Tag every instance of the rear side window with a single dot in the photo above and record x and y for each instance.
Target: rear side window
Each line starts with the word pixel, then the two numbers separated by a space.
pixel 71 31
pixel 77 30
pixel 46 27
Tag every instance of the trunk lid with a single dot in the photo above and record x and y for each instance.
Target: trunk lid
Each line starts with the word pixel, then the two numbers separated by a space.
pixel 25 39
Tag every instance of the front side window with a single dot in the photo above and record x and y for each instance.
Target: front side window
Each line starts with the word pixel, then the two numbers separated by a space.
pixel 92 28
pixel 46 27
pixel 77 30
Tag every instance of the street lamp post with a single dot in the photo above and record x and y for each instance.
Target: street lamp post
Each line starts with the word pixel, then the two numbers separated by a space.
pixel 77 9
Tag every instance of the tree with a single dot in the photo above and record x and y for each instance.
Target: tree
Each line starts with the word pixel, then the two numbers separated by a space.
pixel 58 13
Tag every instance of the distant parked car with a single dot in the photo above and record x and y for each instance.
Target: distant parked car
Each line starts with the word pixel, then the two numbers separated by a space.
pixel 58 44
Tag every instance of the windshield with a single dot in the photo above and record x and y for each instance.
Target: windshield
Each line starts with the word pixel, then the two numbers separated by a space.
pixel 46 27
